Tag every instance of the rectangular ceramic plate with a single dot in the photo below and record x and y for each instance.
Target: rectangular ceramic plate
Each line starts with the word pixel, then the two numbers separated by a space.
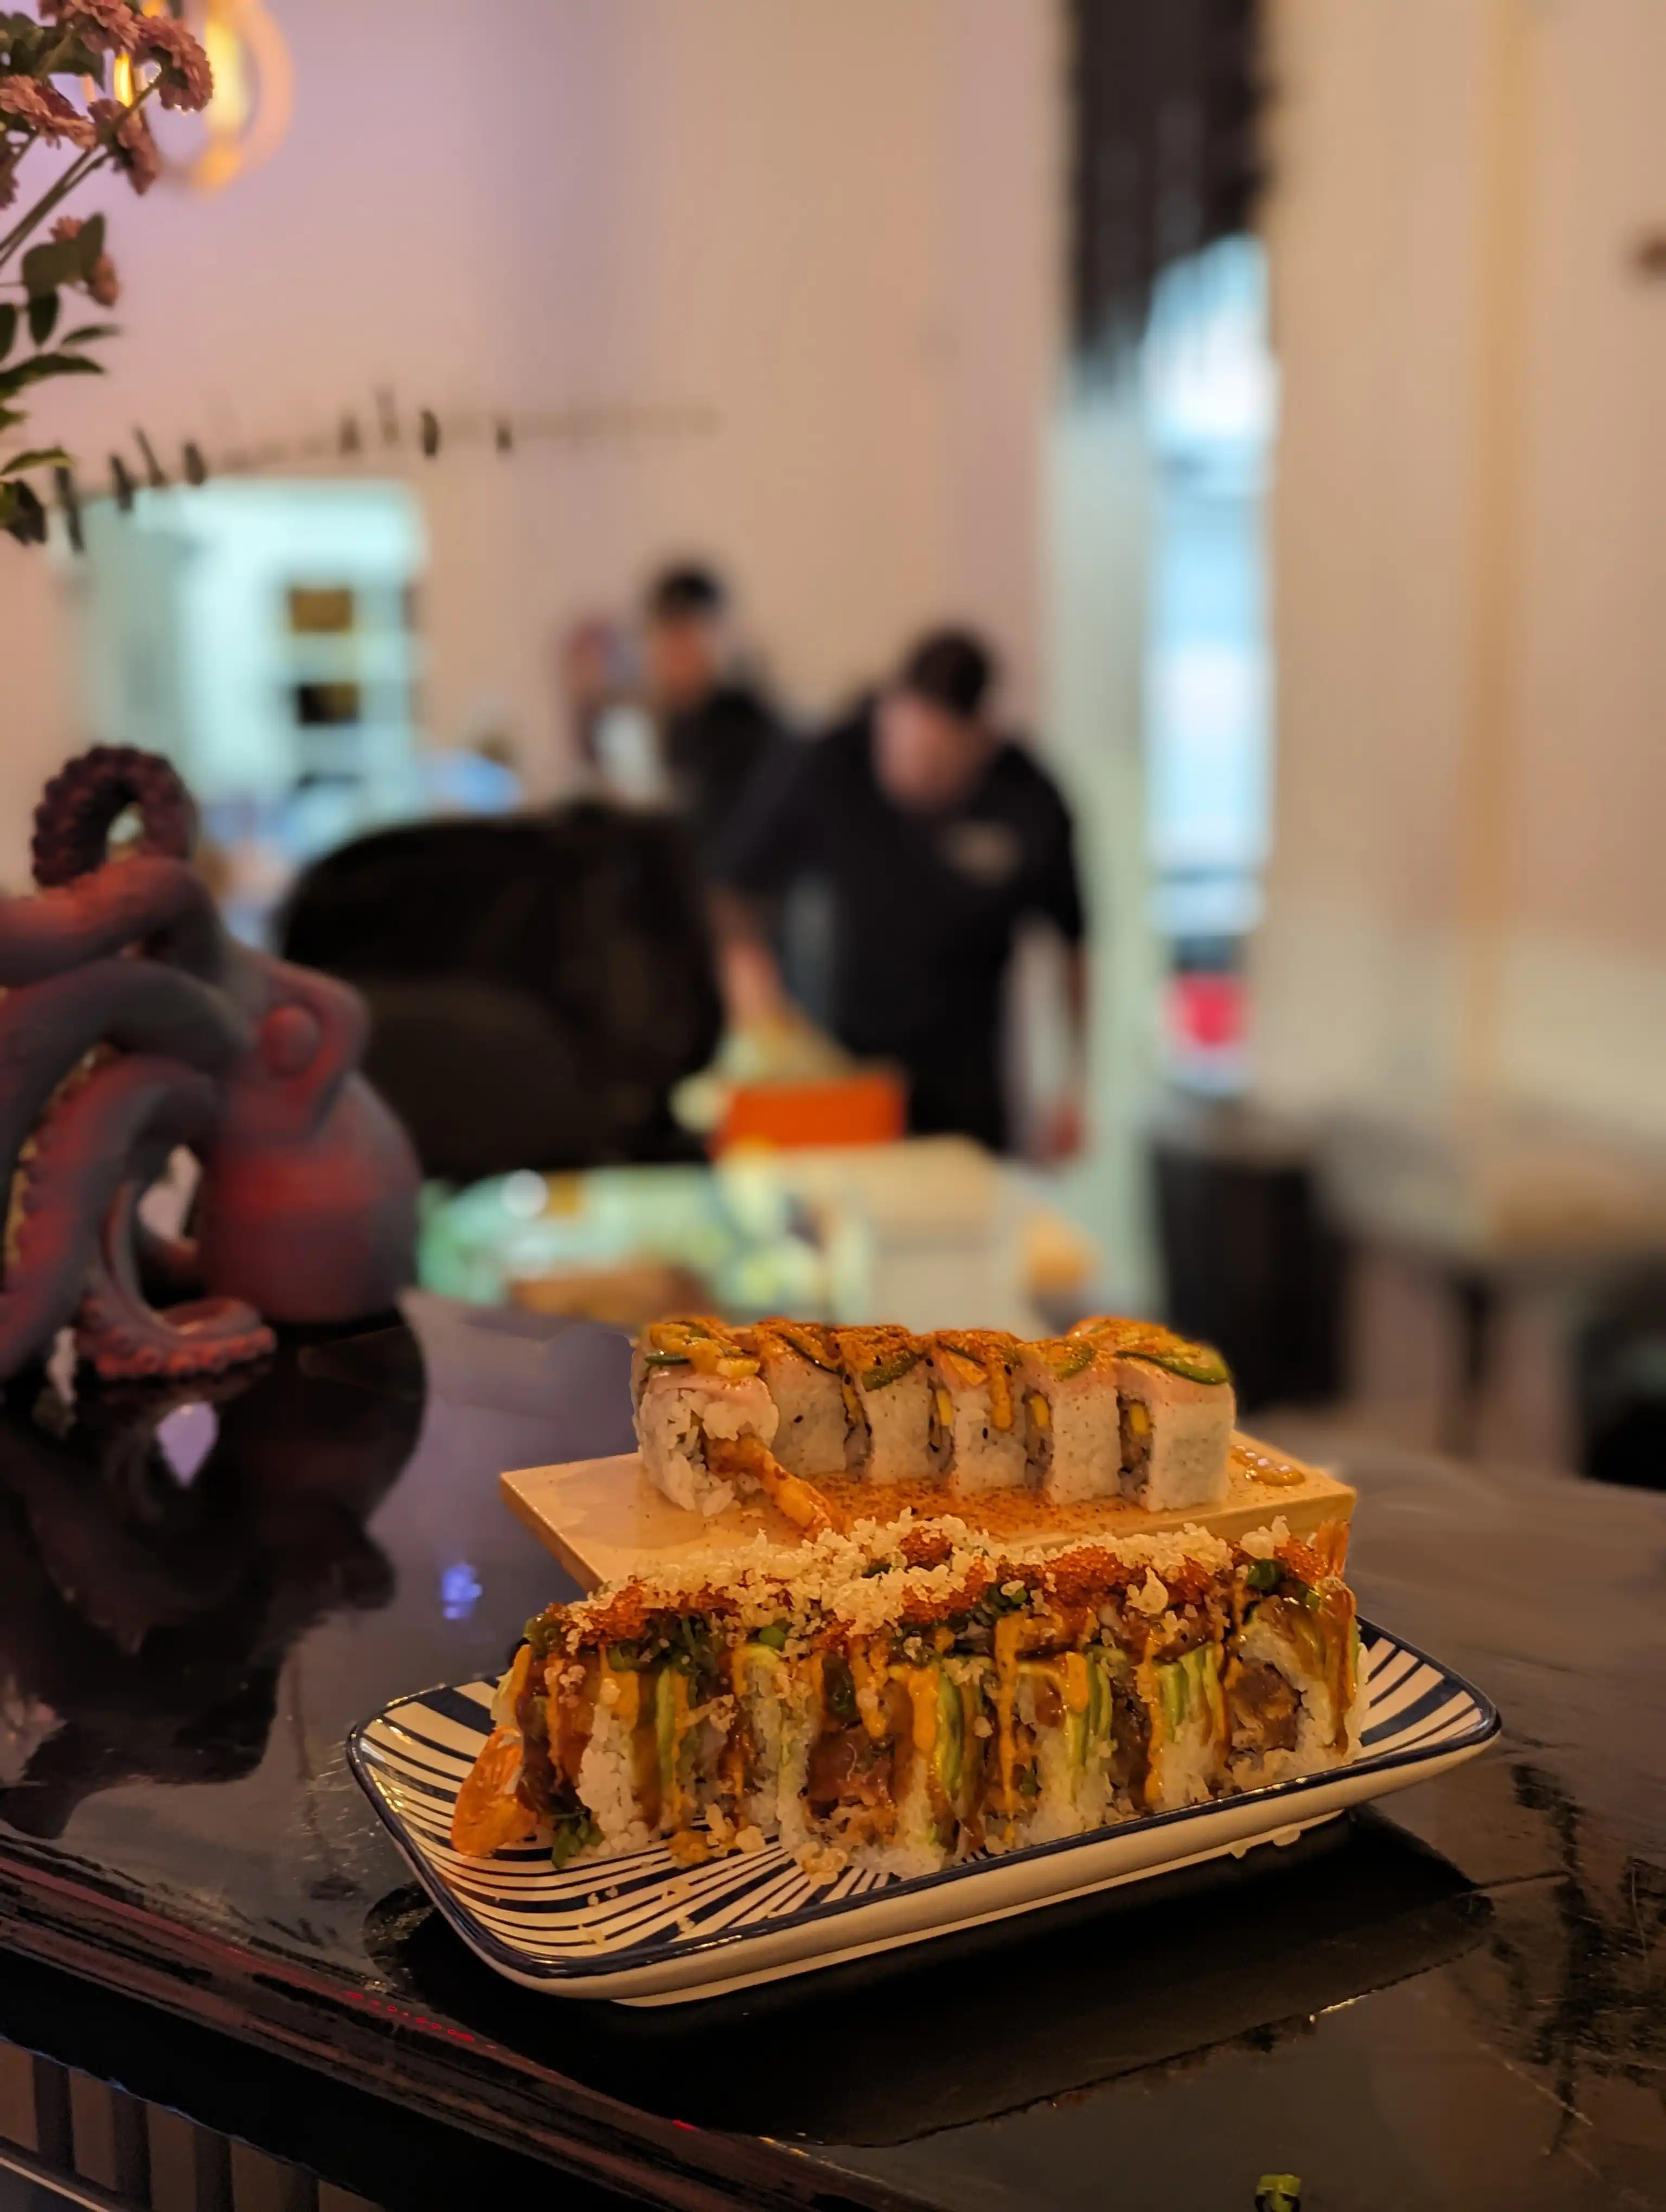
pixel 640 1928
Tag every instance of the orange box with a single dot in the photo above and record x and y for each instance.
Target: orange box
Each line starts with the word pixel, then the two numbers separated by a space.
pixel 866 1108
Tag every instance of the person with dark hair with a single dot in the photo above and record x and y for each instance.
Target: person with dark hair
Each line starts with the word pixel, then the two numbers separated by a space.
pixel 717 731
pixel 936 838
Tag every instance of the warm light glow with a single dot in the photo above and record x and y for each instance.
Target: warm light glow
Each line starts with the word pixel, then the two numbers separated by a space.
pixel 233 94
pixel 253 90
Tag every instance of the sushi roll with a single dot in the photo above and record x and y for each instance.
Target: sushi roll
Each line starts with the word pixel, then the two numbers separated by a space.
pixel 1178 1411
pixel 1294 1690
pixel 698 1393
pixel 801 1370
pixel 899 1697
pixel 976 1439
pixel 887 1394
pixel 1072 1431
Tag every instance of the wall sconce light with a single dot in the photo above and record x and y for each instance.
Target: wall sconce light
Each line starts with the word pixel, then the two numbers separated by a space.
pixel 253 91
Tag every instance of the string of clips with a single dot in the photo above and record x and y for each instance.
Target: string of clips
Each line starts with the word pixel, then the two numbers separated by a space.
pixel 383 430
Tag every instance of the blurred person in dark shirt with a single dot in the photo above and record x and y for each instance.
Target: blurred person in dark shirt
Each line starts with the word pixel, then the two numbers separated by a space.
pixel 937 838
pixel 717 731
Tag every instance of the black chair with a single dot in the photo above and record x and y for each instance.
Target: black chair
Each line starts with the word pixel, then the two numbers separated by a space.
pixel 1619 1383
pixel 538 985
pixel 1250 1262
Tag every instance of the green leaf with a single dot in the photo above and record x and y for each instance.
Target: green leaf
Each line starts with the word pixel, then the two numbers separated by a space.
pixel 41 457
pixel 85 335
pixel 81 60
pixel 11 416
pixel 43 316
pixel 91 242
pixel 47 267
pixel 21 515
pixel 26 42
pixel 7 328
pixel 44 365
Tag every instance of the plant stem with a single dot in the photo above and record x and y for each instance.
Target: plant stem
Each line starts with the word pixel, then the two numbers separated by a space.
pixel 76 174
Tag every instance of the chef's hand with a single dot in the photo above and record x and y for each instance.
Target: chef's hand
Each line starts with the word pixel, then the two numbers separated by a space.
pixel 1061 1134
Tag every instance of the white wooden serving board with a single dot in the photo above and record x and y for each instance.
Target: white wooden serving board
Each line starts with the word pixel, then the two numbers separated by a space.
pixel 605 1521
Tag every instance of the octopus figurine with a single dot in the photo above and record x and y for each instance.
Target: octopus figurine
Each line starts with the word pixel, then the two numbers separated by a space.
pixel 132 1024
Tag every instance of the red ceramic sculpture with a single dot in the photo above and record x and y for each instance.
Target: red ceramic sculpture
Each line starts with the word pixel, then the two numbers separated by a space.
pixel 131 1022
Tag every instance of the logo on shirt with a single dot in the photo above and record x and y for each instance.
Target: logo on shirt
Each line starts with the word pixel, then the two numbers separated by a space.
pixel 987 853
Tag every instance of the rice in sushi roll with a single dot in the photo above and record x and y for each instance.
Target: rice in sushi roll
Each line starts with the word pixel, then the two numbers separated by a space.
pixel 887 1399
pixel 1294 1690
pixel 698 1392
pixel 1177 1412
pixel 1071 1420
pixel 977 1437
pixel 801 1369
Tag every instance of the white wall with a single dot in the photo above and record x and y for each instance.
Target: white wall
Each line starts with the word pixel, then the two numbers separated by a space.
pixel 1470 548
pixel 837 227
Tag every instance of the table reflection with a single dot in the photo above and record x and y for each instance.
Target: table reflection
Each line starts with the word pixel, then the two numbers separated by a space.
pixel 1055 2005
pixel 163 1548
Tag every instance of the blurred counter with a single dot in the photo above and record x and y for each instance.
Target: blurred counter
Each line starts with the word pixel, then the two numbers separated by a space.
pixel 931 1231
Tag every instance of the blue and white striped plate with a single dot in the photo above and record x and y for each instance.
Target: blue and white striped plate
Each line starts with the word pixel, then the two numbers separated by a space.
pixel 640 1929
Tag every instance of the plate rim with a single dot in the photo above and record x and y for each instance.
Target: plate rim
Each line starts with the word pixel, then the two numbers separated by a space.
pixel 1487 1726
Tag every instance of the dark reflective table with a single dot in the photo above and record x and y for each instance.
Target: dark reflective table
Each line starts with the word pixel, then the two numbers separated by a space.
pixel 1460 2002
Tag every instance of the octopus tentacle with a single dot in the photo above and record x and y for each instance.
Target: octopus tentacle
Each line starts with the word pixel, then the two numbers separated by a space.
pixel 158 904
pixel 126 1114
pixel 126 1339
pixel 81 806
pixel 136 1005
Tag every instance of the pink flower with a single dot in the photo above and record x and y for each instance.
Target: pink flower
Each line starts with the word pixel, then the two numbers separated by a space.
pixel 126 133
pixel 187 81
pixel 107 26
pixel 43 109
pixel 103 286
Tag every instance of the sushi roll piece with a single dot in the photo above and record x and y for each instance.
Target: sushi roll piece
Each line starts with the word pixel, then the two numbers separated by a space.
pixel 1294 1689
pixel 769 1744
pixel 1178 1413
pixel 642 1725
pixel 855 1748
pixel 887 1394
pixel 698 1393
pixel 978 1439
pixel 1072 1432
pixel 938 1763
pixel 1085 1737
pixel 801 1370
pixel 1186 1709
